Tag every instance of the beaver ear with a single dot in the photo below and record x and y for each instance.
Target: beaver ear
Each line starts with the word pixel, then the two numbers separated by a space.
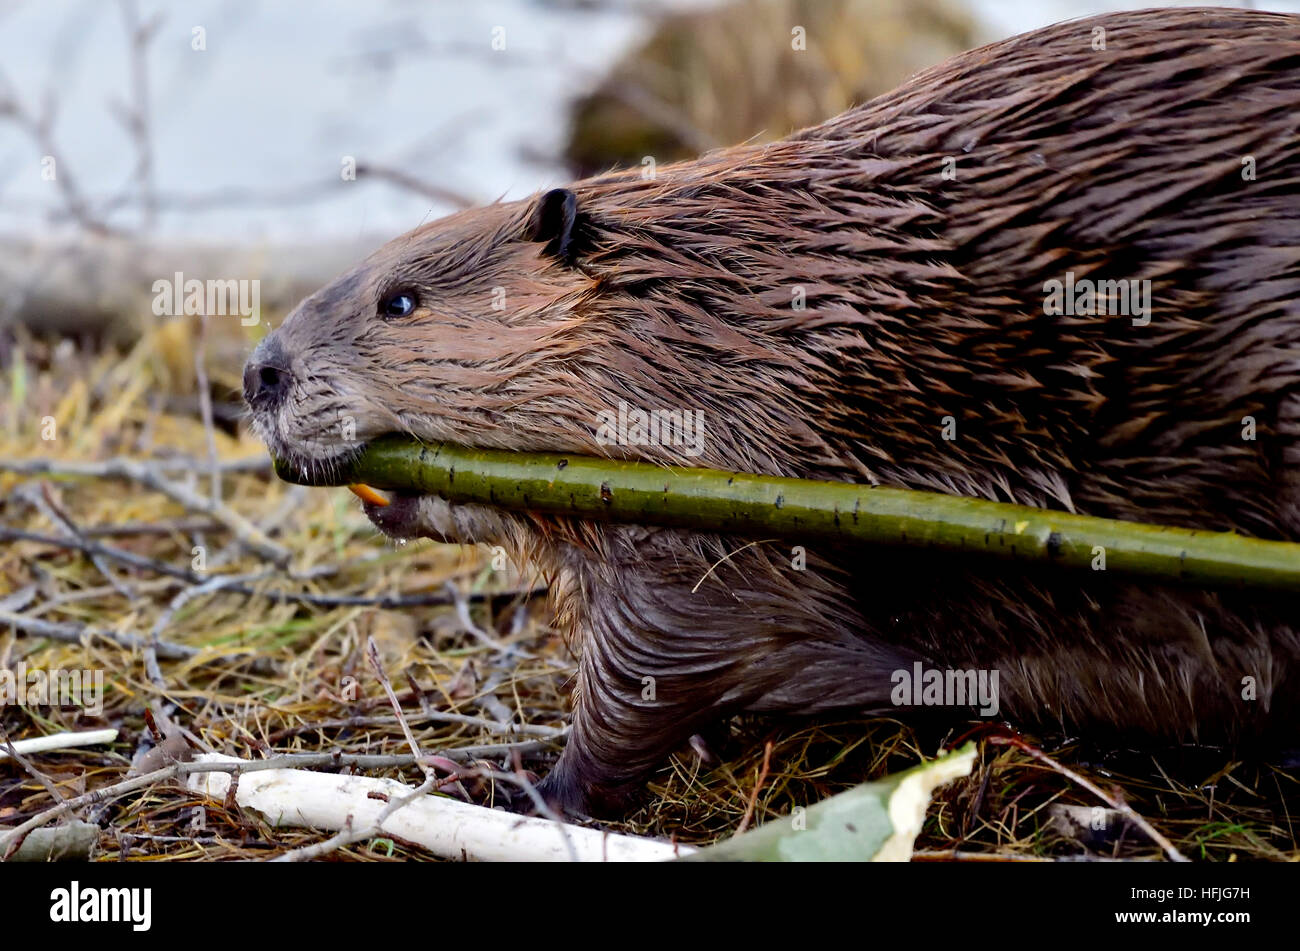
pixel 552 221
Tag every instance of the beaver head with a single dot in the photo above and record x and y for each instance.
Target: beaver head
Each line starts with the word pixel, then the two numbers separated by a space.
pixel 462 330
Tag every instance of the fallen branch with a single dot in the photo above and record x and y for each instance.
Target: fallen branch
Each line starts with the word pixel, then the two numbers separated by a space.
pixel 71 842
pixel 446 827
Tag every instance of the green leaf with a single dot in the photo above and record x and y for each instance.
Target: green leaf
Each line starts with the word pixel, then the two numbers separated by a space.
pixel 874 822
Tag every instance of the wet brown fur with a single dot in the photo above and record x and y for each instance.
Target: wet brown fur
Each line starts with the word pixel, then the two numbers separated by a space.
pixel 924 299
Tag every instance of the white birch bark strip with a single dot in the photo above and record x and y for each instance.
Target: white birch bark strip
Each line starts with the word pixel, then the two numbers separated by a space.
pixel 446 827
pixel 59 741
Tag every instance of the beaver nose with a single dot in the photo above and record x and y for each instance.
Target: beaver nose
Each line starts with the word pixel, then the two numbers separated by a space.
pixel 266 375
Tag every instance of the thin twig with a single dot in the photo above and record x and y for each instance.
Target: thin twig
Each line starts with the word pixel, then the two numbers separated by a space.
pixel 540 804
pixel 77 634
pixel 457 597
pixel 13 752
pixel 411 183
pixel 136 118
pixel 41 131
pixel 178 526
pixel 121 467
pixel 179 601
pixel 429 716
pixel 92 548
pixel 18 600
pixel 153 586
pixel 387 601
pixel 38 495
pixel 1114 802
pixel 205 405
pixel 753 795
pixel 148 474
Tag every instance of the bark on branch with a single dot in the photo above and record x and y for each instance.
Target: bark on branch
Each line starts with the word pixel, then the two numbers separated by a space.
pixel 764 506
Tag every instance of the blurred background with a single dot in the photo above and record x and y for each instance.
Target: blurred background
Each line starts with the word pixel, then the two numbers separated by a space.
pixel 277 142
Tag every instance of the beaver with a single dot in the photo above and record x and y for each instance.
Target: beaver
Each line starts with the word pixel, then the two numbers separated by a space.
pixel 893 297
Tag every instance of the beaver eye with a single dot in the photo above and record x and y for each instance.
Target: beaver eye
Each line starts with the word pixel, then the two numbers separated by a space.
pixel 401 304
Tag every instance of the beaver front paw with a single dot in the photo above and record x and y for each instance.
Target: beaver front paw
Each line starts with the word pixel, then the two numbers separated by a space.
pixel 409 515
pixel 570 796
pixel 399 518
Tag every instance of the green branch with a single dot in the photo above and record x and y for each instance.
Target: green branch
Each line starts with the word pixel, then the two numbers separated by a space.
pixel 763 506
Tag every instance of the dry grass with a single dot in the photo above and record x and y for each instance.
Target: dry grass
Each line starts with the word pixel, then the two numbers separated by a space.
pixel 273 675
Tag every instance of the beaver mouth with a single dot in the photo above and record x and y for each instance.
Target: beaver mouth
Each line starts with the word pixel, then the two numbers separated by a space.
pixel 300 466
pixel 402 514
pixel 399 517
pixel 323 460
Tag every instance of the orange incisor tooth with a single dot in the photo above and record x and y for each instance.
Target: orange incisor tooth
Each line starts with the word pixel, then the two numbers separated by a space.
pixel 366 494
